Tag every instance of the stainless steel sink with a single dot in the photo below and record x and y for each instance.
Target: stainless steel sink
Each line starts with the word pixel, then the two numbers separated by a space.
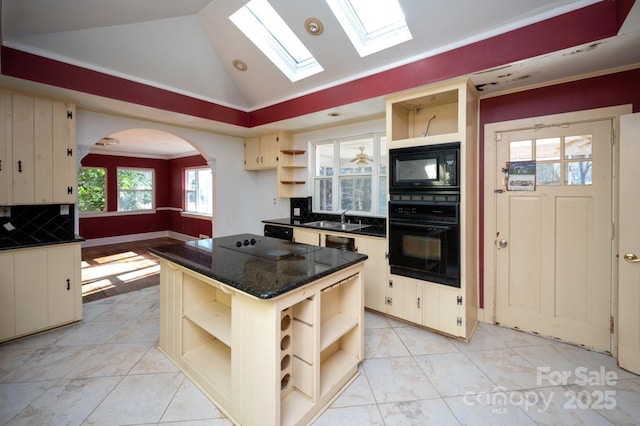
pixel 338 226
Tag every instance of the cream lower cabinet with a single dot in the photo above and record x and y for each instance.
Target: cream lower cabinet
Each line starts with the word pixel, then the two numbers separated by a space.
pixel 40 288
pixel 375 270
pixel 375 267
pixel 306 236
pixel 435 306
pixel 273 361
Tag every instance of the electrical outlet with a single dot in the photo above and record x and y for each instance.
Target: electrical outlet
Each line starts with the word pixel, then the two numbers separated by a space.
pixel 5 211
pixel 296 211
pixel 64 210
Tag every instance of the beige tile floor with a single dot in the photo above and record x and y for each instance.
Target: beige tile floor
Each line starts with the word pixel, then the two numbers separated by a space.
pixel 108 371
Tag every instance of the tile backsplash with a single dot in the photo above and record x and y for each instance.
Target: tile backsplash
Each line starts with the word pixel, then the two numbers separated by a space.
pixel 36 224
pixel 302 210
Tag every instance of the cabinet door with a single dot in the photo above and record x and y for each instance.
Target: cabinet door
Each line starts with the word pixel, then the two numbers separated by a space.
pixel 306 237
pixel 64 155
pixel 22 166
pixel 269 151
pixel 7 310
pixel 5 144
pixel 440 309
pixel 402 298
pixel 375 276
pixel 252 153
pixel 43 150
pixel 62 285
pixel 30 278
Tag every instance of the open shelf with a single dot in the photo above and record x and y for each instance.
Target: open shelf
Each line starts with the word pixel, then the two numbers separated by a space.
pixel 212 361
pixel 335 369
pixel 294 407
pixel 334 328
pixel 214 318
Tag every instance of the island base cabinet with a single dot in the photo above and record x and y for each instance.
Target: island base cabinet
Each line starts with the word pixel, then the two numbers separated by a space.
pixel 276 361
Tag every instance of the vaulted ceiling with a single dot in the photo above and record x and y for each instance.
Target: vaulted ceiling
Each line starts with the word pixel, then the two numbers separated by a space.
pixel 181 53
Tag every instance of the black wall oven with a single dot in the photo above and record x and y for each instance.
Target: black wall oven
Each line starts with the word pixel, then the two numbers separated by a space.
pixel 424 237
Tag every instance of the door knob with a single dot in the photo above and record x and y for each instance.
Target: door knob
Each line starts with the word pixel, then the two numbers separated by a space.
pixel 631 258
pixel 503 243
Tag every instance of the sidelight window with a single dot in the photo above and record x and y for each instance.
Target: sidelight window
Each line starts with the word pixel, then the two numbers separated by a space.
pixel 92 189
pixel 198 190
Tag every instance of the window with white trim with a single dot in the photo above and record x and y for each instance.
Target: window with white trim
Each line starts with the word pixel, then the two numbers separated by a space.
pixel 92 189
pixel 351 174
pixel 135 189
pixel 198 190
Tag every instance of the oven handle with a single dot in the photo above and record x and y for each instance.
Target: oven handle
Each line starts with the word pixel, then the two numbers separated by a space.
pixel 419 225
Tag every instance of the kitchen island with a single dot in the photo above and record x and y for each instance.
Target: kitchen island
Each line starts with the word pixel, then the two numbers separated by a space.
pixel 270 330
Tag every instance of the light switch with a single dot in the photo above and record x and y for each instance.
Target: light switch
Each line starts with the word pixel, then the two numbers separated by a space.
pixel 296 211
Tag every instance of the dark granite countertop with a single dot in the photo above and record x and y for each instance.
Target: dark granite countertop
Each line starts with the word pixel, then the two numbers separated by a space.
pixel 32 241
pixel 369 231
pixel 255 275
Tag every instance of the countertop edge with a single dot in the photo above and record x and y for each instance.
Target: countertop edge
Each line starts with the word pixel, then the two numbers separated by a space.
pixel 76 239
pixel 192 266
pixel 361 232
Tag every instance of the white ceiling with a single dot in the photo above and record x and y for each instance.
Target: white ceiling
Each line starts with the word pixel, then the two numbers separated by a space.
pixel 188 46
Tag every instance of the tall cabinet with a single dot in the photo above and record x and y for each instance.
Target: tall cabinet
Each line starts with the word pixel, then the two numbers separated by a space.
pixel 431 115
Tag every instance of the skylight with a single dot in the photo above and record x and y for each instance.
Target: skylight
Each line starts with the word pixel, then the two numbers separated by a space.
pixel 371 28
pixel 259 21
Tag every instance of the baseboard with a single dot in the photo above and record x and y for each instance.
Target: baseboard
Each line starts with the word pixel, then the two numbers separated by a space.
pixel 136 237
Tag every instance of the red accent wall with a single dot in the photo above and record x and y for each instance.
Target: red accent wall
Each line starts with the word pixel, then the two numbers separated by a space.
pixel 594 22
pixel 597 92
pixel 169 193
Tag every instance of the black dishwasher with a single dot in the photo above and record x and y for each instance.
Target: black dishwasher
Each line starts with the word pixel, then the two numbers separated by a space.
pixel 280 232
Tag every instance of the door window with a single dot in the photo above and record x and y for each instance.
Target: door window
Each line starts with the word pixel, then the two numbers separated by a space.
pixel 563 160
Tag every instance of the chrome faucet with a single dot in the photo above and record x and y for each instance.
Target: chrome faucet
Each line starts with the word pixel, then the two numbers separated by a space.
pixel 343 218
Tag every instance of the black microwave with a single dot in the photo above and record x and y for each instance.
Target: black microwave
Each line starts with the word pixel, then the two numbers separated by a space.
pixel 424 168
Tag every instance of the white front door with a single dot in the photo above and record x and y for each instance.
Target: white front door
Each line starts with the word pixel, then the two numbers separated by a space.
pixel 554 239
pixel 629 244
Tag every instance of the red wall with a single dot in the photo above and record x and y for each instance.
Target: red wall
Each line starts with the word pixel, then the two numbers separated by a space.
pixel 597 92
pixel 169 194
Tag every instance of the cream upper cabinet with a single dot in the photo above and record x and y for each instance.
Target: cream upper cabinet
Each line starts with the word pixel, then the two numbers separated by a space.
pixel 42 151
pixel 5 147
pixel 261 152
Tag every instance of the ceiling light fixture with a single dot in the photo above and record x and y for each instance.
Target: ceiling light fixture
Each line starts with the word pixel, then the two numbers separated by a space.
pixel 239 65
pixel 362 159
pixel 314 26
pixel 108 141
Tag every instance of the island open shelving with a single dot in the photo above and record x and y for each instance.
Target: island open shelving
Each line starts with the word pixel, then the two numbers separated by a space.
pixel 273 361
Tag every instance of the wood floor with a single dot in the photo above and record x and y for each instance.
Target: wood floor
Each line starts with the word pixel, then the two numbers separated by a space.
pixel 115 269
